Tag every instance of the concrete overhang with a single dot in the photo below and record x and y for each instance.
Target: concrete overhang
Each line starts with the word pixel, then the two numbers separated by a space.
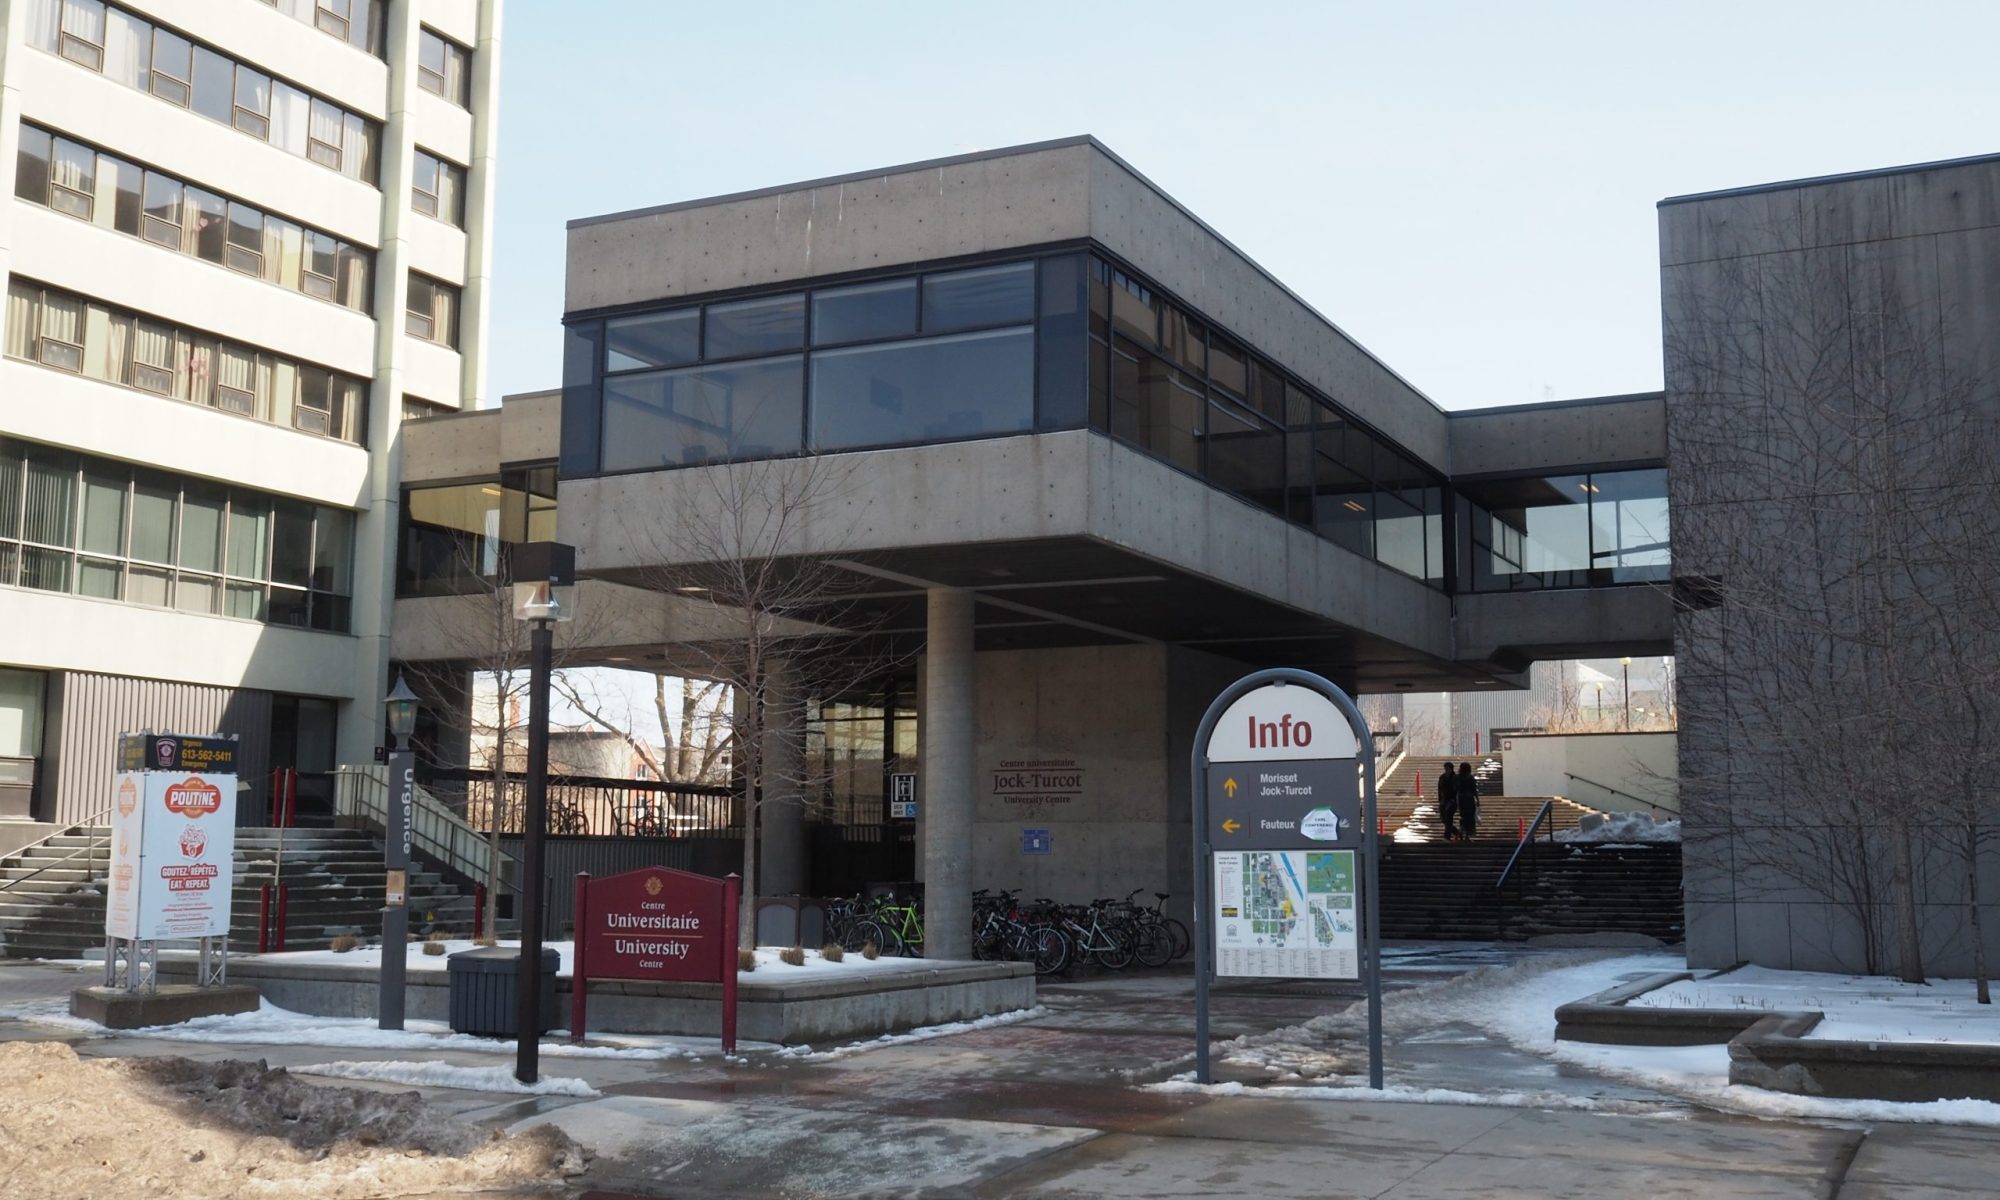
pixel 1067 539
pixel 1510 630
pixel 459 446
pixel 1073 192
pixel 1559 437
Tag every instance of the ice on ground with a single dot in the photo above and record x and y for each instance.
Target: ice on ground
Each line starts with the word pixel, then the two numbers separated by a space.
pixel 1624 829
pixel 1858 1008
pixel 437 1074
pixel 917 1035
pixel 112 1127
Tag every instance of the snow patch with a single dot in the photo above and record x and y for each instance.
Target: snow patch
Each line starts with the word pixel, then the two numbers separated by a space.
pixel 435 1074
pixel 916 1035
pixel 1623 829
pixel 1858 1008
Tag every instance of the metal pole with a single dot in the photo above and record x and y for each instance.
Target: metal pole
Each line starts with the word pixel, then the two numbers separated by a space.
pixel 1628 696
pixel 1371 851
pixel 1204 882
pixel 528 995
pixel 397 801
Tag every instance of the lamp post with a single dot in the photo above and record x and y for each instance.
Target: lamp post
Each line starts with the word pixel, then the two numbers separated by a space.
pixel 1627 664
pixel 401 704
pixel 544 580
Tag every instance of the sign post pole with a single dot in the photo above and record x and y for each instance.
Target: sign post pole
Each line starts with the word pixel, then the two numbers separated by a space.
pixel 395 907
pixel 732 898
pixel 1278 824
pixel 579 963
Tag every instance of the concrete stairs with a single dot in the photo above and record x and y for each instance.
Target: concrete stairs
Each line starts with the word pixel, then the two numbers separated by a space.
pixel 1446 890
pixel 51 909
pixel 1413 784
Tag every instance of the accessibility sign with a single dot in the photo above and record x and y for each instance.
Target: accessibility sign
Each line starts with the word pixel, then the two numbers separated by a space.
pixel 1285 804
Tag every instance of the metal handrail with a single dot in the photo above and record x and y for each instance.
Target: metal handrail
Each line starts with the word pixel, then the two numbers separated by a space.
pixel 362 793
pixel 1545 813
pixel 89 849
pixel 1629 796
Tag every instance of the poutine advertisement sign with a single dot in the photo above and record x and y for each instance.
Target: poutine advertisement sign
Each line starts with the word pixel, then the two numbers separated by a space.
pixel 173 839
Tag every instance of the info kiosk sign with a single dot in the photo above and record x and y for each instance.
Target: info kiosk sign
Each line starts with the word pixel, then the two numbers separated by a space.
pixel 173 847
pixel 1285 847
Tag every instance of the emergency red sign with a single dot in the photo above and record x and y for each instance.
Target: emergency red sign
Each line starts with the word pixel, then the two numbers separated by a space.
pixel 193 798
pixel 656 924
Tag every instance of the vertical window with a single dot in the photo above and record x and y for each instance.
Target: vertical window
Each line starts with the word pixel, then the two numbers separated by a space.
pixel 128 204
pixel 31 165
pixel 245 251
pixel 173 67
pixel 128 49
pixel 83 32
pixel 431 310
pixel 61 342
pixel 211 224
pixel 437 189
pixel 322 265
pixel 214 85
pixel 443 68
pixel 325 131
pixel 291 119
pixel 253 103
pixel 73 179
pixel 154 361
pixel 164 222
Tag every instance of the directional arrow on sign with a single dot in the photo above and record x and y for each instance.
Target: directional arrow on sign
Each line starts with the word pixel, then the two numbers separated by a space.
pixel 1229 788
pixel 1231 825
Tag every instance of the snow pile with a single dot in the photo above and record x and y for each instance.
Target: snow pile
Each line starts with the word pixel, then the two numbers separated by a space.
pixel 1412 829
pixel 1858 1008
pixel 772 969
pixel 270 1025
pixel 1624 829
pixel 1517 1002
pixel 815 967
pixel 437 1074
pixel 206 1131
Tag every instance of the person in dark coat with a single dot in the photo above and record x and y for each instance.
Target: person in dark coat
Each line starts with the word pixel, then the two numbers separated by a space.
pixel 1447 799
pixel 1467 795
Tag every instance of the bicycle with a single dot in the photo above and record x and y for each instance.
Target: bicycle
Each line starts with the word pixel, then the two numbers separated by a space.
pixel 901 926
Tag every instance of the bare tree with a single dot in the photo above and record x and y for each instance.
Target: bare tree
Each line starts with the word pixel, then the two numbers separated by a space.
pixel 1834 530
pixel 689 712
pixel 782 625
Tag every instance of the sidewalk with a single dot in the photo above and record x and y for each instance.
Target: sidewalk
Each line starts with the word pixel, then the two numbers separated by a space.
pixel 1055 1105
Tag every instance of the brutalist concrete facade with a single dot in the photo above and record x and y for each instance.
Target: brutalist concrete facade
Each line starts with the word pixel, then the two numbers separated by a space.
pixel 1833 381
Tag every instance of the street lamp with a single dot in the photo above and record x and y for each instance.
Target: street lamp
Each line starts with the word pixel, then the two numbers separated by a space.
pixel 1627 664
pixel 544 582
pixel 401 705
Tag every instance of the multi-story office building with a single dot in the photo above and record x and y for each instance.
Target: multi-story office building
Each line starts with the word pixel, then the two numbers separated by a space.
pixel 242 240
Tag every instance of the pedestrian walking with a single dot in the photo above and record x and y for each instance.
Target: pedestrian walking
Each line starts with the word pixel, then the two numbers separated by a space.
pixel 1447 802
pixel 1467 795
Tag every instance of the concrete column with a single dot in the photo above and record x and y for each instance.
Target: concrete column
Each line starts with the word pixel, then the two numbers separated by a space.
pixel 947 778
pixel 781 822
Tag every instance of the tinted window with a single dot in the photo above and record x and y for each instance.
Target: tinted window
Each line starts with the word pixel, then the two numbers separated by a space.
pixel 653 340
pixel 983 296
pixel 864 312
pixel 932 390
pixel 702 414
pixel 214 84
pixel 31 170
pixel 755 327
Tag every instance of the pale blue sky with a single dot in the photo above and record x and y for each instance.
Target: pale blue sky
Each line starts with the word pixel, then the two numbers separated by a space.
pixel 1466 188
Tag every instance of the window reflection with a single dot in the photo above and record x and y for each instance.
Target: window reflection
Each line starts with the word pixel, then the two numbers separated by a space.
pixel 937 389
pixel 1564 530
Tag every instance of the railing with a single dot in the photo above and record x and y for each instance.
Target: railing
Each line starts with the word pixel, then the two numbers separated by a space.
pixel 361 800
pixel 593 807
pixel 1389 753
pixel 88 850
pixel 1543 816
pixel 1656 807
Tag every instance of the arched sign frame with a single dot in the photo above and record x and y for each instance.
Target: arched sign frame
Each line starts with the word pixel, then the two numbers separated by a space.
pixel 1204 850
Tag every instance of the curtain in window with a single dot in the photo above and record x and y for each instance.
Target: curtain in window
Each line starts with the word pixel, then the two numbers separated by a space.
pixel 74 167
pixel 291 117
pixel 201 369
pixel 261 385
pixel 294 252
pixel 153 345
pixel 62 319
pixel 118 349
pixel 23 318
pixel 326 123
pixel 358 155
pixel 85 21
pixel 237 368
pixel 44 19
pixel 128 44
pixel 449 180
pixel 51 502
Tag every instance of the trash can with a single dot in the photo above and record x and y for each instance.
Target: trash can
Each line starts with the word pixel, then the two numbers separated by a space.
pixel 483 989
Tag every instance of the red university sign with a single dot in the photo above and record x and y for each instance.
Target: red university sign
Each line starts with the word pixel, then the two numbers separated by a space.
pixel 656 924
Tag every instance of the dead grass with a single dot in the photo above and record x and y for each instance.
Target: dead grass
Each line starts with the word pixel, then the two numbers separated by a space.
pixel 746 960
pixel 344 943
pixel 832 952
pixel 795 955
pixel 871 952
pixel 433 949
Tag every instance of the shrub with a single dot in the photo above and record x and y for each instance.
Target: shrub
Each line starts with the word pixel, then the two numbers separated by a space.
pixel 434 948
pixel 439 935
pixel 795 955
pixel 832 952
pixel 871 952
pixel 746 960
pixel 486 940
pixel 345 942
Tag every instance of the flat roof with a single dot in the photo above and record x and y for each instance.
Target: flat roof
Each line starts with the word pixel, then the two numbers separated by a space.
pixel 1083 139
pixel 1844 177
pixel 1532 405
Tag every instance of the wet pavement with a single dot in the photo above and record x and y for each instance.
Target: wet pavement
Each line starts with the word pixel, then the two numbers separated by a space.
pixel 1055 1106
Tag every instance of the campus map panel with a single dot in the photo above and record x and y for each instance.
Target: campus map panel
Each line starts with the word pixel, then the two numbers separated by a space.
pixel 1287 913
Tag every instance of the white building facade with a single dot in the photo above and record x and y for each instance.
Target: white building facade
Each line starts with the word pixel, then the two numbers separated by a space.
pixel 242 242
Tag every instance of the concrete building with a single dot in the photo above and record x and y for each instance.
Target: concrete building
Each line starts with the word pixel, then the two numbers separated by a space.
pixel 242 241
pixel 1833 397
pixel 1092 462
